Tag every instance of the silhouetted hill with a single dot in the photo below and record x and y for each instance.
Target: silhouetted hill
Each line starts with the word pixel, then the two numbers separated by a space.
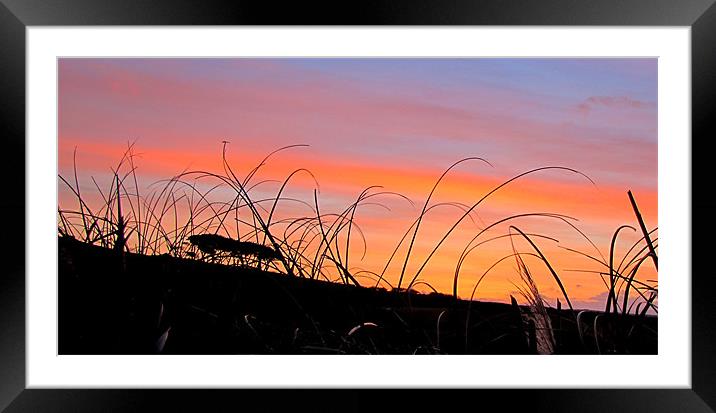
pixel 112 303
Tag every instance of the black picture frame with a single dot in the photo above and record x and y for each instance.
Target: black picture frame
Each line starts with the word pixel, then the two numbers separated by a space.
pixel 15 15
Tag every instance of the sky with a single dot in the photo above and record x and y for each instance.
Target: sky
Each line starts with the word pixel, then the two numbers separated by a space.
pixel 396 123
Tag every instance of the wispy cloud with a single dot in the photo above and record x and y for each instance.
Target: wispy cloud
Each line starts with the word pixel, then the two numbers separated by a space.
pixel 612 102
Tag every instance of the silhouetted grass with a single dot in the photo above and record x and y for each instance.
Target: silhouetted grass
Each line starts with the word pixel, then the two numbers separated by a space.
pixel 178 212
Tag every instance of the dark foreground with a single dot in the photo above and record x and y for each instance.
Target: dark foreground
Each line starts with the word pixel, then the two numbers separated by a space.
pixel 158 304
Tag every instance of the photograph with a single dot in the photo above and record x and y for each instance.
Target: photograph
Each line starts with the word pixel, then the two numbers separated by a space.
pixel 357 205
pixel 308 207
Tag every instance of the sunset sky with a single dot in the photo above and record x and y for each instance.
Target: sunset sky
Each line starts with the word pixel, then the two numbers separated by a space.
pixel 397 123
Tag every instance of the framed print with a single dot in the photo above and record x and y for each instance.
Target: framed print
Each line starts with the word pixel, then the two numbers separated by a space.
pixel 450 198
